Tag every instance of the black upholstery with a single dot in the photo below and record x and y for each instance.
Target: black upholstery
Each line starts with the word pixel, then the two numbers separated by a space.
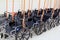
pixel 56 13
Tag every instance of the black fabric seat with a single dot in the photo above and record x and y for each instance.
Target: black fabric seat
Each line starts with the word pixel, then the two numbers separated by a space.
pixel 46 16
pixel 36 16
pixel 19 14
pixel 9 27
pixel 34 13
pixel 18 20
pixel 34 19
pixel 40 11
pixel 56 13
pixel 11 24
pixel 29 23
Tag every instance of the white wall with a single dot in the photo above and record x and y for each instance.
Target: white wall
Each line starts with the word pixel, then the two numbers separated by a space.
pixel 2 6
pixel 17 5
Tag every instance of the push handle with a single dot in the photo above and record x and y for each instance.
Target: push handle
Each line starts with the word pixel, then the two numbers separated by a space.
pixel 43 11
pixel 29 9
pixel 23 22
pixel 54 8
pixel 12 10
pixel 38 6
pixel 6 8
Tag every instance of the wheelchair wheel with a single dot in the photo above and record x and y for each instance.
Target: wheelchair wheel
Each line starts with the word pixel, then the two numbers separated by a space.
pixel 23 39
pixel 24 34
pixel 38 29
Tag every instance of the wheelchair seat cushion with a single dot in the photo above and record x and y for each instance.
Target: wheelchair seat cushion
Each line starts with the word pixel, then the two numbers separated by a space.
pixel 55 14
pixel 46 17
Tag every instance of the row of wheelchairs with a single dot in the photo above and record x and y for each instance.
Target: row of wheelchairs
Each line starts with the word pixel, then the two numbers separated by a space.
pixel 26 23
